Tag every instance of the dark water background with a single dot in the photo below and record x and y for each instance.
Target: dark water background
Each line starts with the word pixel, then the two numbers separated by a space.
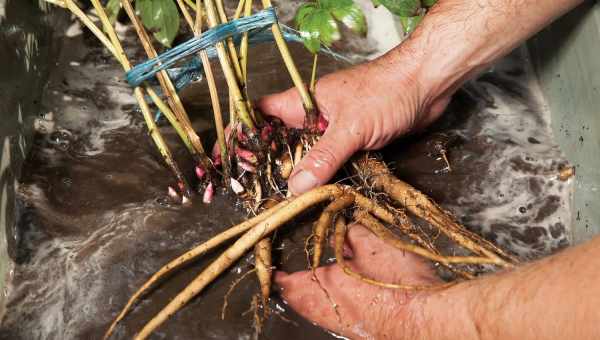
pixel 94 221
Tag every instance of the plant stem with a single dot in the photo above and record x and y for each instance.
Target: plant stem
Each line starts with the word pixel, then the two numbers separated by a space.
pixel 116 49
pixel 234 89
pixel 313 75
pixel 168 88
pixel 309 107
pixel 120 55
pixel 244 44
pixel 186 13
pixel 230 45
pixel 191 4
pixel 214 94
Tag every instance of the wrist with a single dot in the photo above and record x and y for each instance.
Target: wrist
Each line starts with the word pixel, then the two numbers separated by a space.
pixel 449 314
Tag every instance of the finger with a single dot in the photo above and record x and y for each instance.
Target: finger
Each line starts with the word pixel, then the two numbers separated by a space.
pixel 323 160
pixel 286 106
pixel 309 298
pixel 369 249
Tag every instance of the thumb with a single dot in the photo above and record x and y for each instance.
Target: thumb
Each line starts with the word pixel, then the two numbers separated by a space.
pixel 323 160
pixel 286 106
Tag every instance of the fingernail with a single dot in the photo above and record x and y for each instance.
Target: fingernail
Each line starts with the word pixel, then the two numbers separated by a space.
pixel 302 182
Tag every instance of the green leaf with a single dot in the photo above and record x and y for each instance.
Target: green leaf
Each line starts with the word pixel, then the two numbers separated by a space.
pixel 353 17
pixel 303 11
pixel 113 7
pixel 403 8
pixel 160 16
pixel 429 3
pixel 318 26
pixel 410 23
pixel 331 4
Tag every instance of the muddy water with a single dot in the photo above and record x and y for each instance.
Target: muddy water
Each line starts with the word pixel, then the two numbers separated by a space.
pixel 95 223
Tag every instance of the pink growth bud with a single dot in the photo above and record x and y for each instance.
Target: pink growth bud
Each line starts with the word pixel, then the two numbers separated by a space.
pixel 247 167
pixel 266 132
pixel 208 193
pixel 322 124
pixel 217 160
pixel 200 172
pixel 236 186
pixel 242 138
pixel 273 146
pixel 173 194
pixel 246 155
pixel 181 186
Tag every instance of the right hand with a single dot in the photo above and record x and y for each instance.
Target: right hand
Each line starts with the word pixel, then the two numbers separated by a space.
pixel 367 106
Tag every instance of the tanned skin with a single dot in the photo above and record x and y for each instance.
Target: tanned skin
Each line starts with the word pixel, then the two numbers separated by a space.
pixel 368 106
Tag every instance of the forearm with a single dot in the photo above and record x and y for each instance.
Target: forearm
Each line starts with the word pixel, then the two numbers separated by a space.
pixel 459 38
pixel 555 298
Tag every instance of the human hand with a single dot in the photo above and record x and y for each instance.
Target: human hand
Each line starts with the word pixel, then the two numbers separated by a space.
pixel 365 311
pixel 366 106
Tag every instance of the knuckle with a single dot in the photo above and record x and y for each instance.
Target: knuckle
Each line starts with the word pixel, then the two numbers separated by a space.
pixel 323 157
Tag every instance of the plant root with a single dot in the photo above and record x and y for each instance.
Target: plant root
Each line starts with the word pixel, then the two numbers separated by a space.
pixel 192 255
pixel 324 223
pixel 263 263
pixel 340 237
pixel 390 238
pixel 379 177
pixel 230 290
pixel 238 249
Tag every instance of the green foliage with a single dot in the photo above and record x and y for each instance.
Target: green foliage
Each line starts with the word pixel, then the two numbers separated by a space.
pixel 410 23
pixel 411 12
pixel 113 7
pixel 318 21
pixel 159 16
pixel 429 3
pixel 402 8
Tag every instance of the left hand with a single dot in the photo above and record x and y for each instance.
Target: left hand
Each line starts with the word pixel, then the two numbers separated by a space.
pixel 366 311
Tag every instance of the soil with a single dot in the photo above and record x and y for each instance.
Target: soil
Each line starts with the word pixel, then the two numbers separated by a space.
pixel 95 221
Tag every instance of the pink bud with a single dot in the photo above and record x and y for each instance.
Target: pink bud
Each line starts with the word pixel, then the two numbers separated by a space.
pixel 208 194
pixel 217 160
pixel 236 186
pixel 273 146
pixel 181 186
pixel 266 132
pixel 247 167
pixel 246 155
pixel 173 194
pixel 241 136
pixel 200 172
pixel 322 124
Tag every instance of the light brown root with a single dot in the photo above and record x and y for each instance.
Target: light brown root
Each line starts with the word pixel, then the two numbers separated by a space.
pixel 230 291
pixel 388 237
pixel 192 255
pixel 340 237
pixel 379 176
pixel 238 249
pixel 264 263
pixel 323 224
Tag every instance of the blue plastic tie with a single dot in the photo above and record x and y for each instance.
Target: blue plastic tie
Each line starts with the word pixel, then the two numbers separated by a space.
pixel 148 69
